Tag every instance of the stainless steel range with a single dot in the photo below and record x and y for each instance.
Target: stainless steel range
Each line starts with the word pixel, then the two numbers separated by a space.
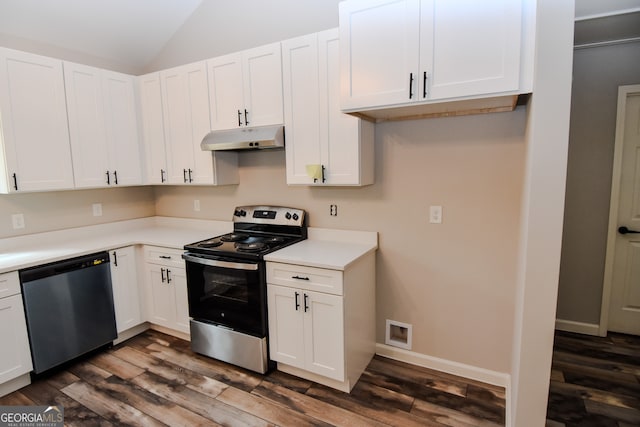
pixel 227 288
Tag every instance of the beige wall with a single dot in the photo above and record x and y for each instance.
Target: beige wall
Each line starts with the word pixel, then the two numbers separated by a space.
pixel 454 282
pixel 597 73
pixel 66 209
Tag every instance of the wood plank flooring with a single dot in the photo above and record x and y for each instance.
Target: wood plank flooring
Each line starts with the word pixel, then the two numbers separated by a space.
pixel 595 381
pixel 155 380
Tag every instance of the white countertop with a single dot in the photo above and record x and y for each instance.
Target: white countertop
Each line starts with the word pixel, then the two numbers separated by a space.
pixel 332 249
pixel 325 248
pixel 35 249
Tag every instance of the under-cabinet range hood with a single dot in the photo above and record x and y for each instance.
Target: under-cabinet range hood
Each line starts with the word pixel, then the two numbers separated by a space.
pixel 254 138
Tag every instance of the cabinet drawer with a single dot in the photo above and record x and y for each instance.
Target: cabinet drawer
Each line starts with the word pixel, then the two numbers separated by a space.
pixel 9 284
pixel 164 256
pixel 309 278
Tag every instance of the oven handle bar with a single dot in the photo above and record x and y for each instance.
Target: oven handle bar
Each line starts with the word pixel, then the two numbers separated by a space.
pixel 218 263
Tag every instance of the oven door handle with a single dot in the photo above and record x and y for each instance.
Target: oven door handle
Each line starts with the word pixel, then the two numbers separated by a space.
pixel 218 263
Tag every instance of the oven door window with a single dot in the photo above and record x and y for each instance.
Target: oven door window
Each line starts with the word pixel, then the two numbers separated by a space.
pixel 231 294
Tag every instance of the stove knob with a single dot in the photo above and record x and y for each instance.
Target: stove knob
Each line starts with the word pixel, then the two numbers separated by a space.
pixel 287 215
pixel 236 213
pixel 295 217
pixel 243 212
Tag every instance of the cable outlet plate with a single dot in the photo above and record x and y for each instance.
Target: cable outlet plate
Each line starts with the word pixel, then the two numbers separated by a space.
pixel 17 220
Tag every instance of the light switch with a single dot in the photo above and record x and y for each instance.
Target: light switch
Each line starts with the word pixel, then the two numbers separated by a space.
pixel 196 205
pixel 435 214
pixel 97 209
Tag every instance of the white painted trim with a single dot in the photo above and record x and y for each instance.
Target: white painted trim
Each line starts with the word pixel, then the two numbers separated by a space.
pixel 607 14
pixel 460 369
pixel 578 327
pixel 623 92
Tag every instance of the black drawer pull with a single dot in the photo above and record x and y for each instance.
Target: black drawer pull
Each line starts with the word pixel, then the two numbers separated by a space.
pixel 299 278
pixel 164 257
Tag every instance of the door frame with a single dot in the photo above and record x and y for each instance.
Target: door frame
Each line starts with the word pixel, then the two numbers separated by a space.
pixel 623 93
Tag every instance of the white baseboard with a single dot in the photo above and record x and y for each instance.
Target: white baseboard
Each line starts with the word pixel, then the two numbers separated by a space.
pixel 460 369
pixel 578 327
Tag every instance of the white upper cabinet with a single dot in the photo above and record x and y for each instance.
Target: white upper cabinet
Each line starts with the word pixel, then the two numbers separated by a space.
pixel 246 88
pixel 397 52
pixel 103 127
pixel 185 107
pixel 152 128
pixel 319 136
pixel 35 153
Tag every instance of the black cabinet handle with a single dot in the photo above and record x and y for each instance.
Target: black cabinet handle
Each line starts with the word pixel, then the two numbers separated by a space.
pixel 299 277
pixel 164 256
pixel 625 230
pixel 162 274
pixel 115 177
pixel 184 175
pixel 239 118
pixel 246 120
pixel 190 179
pixel 115 259
pixel 15 182
pixel 323 179
pixel 108 179
pixel 168 276
pixel 424 85
pixel 161 175
pixel 306 302
pixel 410 85
pixel 297 302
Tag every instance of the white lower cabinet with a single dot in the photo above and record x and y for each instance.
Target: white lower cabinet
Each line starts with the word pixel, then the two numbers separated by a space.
pixel 126 292
pixel 322 321
pixel 166 278
pixel 15 357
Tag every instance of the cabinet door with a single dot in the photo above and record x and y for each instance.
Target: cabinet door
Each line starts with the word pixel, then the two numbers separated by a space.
pixel 15 358
pixel 262 78
pixel 324 334
pixel 344 150
pixel 126 294
pixel 161 304
pixel 474 46
pixel 286 339
pixel 177 279
pixel 87 126
pixel 177 124
pixel 301 107
pixel 122 128
pixel 379 56
pixel 34 124
pixel 225 86
pixel 150 97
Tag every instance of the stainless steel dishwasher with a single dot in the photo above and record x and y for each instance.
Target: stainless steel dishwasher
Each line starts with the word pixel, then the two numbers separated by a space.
pixel 69 309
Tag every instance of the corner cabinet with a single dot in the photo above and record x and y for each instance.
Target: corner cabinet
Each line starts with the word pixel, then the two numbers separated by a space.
pixel 35 154
pixel 185 107
pixel 103 127
pixel 319 136
pixel 322 321
pixel 166 281
pixel 15 358
pixel 399 52
pixel 126 292
pixel 245 88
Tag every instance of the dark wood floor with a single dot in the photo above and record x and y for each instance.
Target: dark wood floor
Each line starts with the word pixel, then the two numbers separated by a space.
pixel 154 379
pixel 595 381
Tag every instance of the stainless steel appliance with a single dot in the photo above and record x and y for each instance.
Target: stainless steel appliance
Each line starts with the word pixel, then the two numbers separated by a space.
pixel 69 309
pixel 227 288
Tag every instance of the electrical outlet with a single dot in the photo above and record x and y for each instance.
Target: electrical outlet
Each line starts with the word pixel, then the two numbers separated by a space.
pixel 196 205
pixel 333 210
pixel 435 214
pixel 97 209
pixel 17 220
